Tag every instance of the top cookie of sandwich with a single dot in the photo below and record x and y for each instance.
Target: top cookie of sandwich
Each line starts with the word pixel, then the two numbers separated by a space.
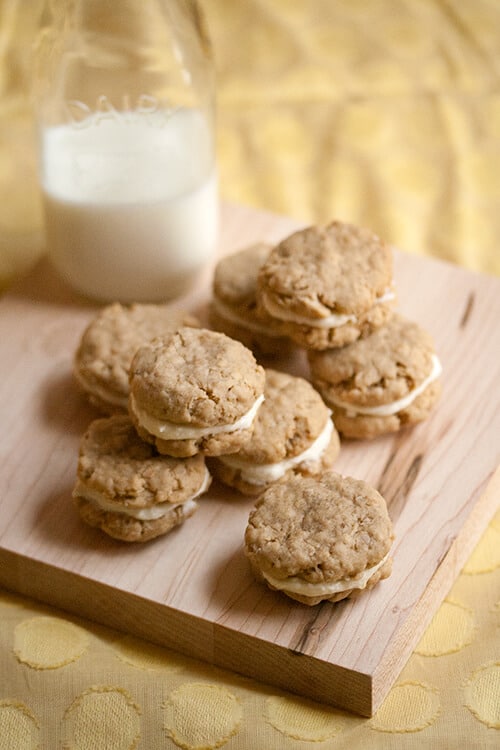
pixel 127 489
pixel 195 391
pixel 235 276
pixel 109 342
pixel 382 382
pixel 317 538
pixel 293 434
pixel 328 285
pixel 233 308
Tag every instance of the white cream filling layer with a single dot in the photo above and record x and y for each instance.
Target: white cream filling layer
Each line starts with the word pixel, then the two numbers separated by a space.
pixel 108 396
pixel 392 408
pixel 335 320
pixel 142 514
pixel 172 431
pixel 296 585
pixel 265 473
pixel 230 315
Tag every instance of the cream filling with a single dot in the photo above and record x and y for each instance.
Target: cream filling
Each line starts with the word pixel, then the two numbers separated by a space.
pixel 152 513
pixel 266 473
pixel 296 585
pixel 96 390
pixel 225 311
pixel 335 320
pixel 395 406
pixel 172 431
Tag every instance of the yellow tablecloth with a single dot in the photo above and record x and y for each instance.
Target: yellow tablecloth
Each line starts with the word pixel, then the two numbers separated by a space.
pixel 380 112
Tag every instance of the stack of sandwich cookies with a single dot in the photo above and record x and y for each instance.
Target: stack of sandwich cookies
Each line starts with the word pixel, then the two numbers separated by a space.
pixel 127 489
pixel 379 383
pixel 320 538
pixel 233 307
pixel 196 391
pixel 293 434
pixel 108 344
pixel 328 285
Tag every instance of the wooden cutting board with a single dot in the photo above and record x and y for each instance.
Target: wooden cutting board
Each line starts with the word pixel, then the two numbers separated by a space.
pixel 192 590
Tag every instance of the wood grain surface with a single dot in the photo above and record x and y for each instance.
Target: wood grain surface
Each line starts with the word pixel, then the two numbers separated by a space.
pixel 192 589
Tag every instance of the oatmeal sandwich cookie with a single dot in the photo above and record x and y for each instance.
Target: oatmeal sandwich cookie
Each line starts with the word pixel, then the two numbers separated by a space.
pixel 320 538
pixel 328 285
pixel 196 391
pixel 128 490
pixel 293 434
pixel 109 342
pixel 233 307
pixel 380 383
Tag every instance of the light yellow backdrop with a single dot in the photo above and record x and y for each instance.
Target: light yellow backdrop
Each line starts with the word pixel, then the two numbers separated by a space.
pixel 382 112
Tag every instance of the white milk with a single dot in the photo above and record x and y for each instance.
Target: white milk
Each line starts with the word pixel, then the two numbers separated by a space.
pixel 131 203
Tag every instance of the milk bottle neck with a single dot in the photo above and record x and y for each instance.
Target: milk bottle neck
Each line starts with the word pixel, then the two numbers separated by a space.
pixel 103 56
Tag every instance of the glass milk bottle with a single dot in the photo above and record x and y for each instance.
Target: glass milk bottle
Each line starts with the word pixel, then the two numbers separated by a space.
pixel 124 103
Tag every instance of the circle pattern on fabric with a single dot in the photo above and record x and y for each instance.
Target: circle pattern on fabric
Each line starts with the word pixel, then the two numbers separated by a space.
pixel 146 656
pixel 19 728
pixel 486 556
pixel 302 720
pixel 482 695
pixel 451 629
pixel 48 642
pixel 202 716
pixel 409 707
pixel 103 717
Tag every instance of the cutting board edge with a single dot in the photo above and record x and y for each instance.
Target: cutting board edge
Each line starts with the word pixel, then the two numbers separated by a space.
pixel 445 575
pixel 187 634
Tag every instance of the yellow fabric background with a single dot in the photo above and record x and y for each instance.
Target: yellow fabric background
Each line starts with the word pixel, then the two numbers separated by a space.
pixel 380 112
